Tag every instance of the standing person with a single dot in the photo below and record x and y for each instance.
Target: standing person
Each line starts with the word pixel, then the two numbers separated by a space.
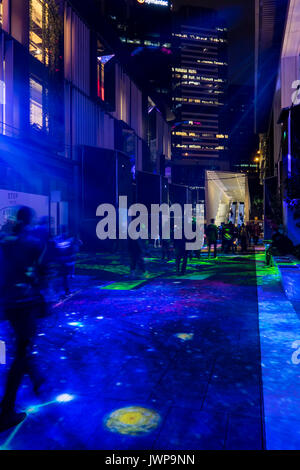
pixel 22 306
pixel 256 233
pixel 77 244
pixel 222 236
pixel 212 237
pixel 41 231
pixel 235 236
pixel 244 238
pixel 227 235
pixel 250 232
pixel 165 250
pixel 65 256
pixel 181 254
pixel 135 256
pixel 231 240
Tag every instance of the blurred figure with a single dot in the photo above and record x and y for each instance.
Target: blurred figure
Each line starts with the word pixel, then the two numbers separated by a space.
pixel 181 254
pixel 135 256
pixel 77 245
pixel 23 304
pixel 212 237
pixel 235 236
pixel 8 228
pixel 249 229
pixel 195 253
pixel 221 236
pixel 244 238
pixel 41 231
pixel 227 236
pixel 256 233
pixel 65 258
pixel 165 250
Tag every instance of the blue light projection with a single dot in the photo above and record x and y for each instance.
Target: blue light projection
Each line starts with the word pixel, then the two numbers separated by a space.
pixel 33 409
pixel 168 342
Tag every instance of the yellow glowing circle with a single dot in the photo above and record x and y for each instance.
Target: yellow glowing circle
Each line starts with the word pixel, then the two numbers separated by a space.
pixel 141 1
pixel 132 420
pixel 185 336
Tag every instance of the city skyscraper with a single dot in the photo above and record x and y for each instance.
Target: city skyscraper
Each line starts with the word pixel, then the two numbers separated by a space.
pixel 199 135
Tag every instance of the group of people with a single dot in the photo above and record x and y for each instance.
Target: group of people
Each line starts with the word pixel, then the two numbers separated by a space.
pixel 229 236
pixel 28 256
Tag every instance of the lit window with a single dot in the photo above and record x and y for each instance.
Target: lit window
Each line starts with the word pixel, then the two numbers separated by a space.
pixel 38 24
pixel 36 104
pixel 2 103
pixel 1 12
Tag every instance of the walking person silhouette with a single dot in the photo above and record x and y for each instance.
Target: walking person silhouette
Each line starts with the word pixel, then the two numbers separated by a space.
pixel 22 304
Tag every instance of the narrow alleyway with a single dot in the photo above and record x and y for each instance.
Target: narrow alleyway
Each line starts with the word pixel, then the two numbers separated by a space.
pixel 165 363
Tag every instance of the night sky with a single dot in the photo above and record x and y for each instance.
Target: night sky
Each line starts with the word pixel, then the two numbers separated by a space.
pixel 239 15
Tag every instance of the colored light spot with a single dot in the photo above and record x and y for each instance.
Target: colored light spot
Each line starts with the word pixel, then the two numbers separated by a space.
pixel 126 285
pixel 64 398
pixel 133 417
pixel 33 409
pixel 75 323
pixel 185 336
pixel 132 420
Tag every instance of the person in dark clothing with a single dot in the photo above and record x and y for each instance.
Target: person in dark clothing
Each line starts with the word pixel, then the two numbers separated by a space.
pixel 221 236
pixel 135 256
pixel 228 237
pixel 165 250
pixel 244 238
pixel 212 237
pixel 65 258
pixel 256 233
pixel 181 254
pixel 235 235
pixel 20 259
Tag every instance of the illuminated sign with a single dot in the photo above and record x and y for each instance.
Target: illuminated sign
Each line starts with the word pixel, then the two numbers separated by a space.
pixel 161 3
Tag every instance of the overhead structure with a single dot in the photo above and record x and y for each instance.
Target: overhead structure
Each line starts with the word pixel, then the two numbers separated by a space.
pixel 227 197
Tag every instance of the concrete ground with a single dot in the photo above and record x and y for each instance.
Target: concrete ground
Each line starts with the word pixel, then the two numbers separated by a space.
pixel 164 362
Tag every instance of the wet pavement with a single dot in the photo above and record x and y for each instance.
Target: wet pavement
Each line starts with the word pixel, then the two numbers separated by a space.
pixel 164 362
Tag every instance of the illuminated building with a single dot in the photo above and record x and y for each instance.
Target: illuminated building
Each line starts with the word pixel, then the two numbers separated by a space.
pixel 65 94
pixel 145 30
pixel 199 137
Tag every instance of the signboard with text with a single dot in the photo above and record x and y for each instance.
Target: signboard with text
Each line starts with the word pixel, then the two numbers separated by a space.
pixel 11 200
pixel 160 3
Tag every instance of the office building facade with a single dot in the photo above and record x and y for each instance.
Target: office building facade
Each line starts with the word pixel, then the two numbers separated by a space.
pixel 199 134
pixel 64 89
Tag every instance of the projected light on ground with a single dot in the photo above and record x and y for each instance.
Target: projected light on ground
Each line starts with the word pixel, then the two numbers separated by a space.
pixel 33 409
pixel 75 323
pixel 185 336
pixel 132 420
pixel 64 398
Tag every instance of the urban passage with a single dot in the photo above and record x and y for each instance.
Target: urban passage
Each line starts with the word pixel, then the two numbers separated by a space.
pixel 124 331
